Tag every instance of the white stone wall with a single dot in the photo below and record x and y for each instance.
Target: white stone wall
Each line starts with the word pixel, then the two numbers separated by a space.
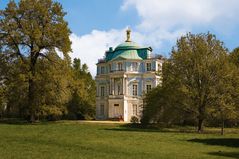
pixel 125 98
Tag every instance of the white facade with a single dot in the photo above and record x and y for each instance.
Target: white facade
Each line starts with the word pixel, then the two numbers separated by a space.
pixel 123 77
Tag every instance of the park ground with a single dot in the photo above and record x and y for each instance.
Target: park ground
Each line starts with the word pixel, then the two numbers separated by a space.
pixel 97 140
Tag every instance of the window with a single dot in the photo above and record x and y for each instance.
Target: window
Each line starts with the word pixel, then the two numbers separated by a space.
pixel 135 91
pixel 120 66
pixel 134 66
pixel 102 70
pixel 148 87
pixel 119 89
pixel 102 91
pixel 148 65
pixel 135 111
pixel 102 109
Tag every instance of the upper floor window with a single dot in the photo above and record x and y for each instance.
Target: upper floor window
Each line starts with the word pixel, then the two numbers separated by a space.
pixel 119 90
pixel 148 67
pixel 134 66
pixel 120 68
pixel 135 89
pixel 148 87
pixel 102 91
pixel 102 70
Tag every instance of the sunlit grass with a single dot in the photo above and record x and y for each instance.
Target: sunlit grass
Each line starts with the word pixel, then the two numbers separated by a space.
pixel 108 141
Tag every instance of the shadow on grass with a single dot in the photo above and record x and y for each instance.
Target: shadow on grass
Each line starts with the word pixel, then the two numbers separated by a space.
pixel 13 121
pixel 151 128
pixel 234 155
pixel 170 129
pixel 19 121
pixel 228 142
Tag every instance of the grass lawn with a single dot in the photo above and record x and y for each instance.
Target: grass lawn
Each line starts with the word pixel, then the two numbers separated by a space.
pixel 68 139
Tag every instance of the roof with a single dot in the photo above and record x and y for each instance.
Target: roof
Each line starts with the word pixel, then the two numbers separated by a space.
pixel 127 54
pixel 127 50
pixel 127 45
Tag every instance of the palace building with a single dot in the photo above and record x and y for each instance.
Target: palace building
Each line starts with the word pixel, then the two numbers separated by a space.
pixel 123 77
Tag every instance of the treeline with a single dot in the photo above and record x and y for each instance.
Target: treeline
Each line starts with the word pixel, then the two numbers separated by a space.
pixel 35 83
pixel 62 90
pixel 200 85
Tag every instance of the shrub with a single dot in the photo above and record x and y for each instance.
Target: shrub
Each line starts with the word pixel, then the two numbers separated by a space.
pixel 134 119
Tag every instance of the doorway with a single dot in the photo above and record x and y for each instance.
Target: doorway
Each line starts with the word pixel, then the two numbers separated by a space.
pixel 116 110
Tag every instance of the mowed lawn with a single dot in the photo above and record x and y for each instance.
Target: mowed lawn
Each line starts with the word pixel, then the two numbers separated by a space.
pixel 68 139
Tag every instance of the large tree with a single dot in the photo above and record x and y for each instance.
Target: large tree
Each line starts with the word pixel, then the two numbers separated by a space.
pixel 198 80
pixel 30 30
pixel 196 60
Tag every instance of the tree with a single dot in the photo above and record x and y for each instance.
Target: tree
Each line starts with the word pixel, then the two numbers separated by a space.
pixel 29 31
pixel 82 105
pixel 53 80
pixel 198 64
pixel 167 103
pixel 154 106
pixel 198 81
pixel 225 95
pixel 2 84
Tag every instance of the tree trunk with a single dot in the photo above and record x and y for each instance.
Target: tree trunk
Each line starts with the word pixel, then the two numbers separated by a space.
pixel 222 127
pixel 31 100
pixel 200 125
pixel 201 116
pixel 31 91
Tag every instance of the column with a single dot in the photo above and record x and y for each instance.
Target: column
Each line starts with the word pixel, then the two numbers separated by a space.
pixel 110 86
pixel 125 110
pixel 113 86
pixel 122 85
pixel 126 86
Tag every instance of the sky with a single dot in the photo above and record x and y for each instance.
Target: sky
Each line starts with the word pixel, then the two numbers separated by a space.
pixel 97 25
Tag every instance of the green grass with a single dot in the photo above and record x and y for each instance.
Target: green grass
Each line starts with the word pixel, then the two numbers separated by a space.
pixel 108 141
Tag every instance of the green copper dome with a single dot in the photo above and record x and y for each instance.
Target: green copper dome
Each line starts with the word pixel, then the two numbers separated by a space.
pixel 127 46
pixel 127 50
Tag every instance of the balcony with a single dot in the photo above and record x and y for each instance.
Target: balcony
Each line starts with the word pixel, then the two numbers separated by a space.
pixel 118 70
pixel 116 96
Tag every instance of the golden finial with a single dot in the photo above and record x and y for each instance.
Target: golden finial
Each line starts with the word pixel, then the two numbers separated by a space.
pixel 128 35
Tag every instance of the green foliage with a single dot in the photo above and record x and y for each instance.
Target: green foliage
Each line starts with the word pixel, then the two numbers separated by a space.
pixel 82 103
pixel 52 86
pixel 36 82
pixel 198 81
pixel 134 119
pixel 31 30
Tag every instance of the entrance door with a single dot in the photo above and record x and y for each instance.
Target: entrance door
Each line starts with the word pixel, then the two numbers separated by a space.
pixel 116 110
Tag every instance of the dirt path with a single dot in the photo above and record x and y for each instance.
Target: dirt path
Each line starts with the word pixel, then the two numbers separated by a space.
pixel 103 122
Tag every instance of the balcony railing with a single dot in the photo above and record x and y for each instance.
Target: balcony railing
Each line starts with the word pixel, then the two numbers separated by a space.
pixel 117 70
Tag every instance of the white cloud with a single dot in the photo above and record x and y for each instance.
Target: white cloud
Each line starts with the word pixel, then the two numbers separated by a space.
pixel 90 47
pixel 162 22
pixel 183 14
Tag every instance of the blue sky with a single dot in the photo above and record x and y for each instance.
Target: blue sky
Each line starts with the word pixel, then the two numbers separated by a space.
pixel 86 15
pixel 98 24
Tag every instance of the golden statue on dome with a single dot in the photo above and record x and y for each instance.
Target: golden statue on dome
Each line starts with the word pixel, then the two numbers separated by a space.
pixel 128 35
